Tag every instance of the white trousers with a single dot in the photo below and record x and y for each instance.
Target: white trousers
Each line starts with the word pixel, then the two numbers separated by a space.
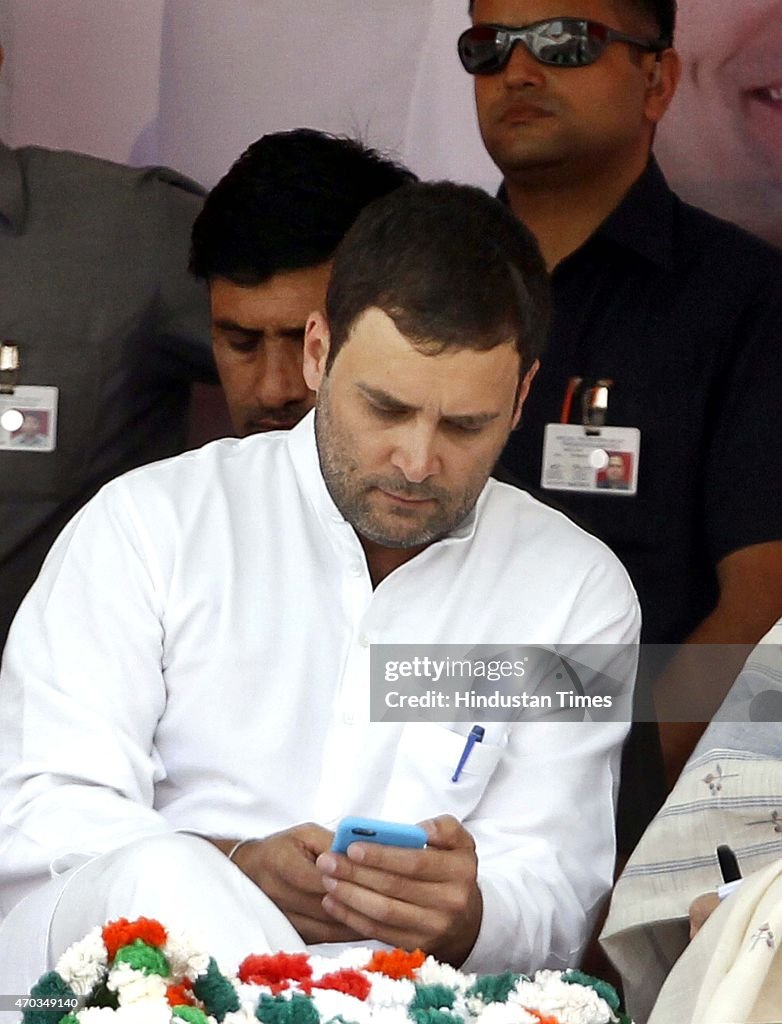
pixel 183 881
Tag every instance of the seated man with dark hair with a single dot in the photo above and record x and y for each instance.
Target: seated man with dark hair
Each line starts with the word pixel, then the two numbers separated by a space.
pixel 195 657
pixel 264 241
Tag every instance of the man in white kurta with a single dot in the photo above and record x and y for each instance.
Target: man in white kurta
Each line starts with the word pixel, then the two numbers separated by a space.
pixel 195 658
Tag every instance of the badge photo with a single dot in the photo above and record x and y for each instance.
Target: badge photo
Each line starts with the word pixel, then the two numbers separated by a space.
pixel 600 460
pixel 28 420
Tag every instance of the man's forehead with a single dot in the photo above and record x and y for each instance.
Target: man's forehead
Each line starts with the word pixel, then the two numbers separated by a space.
pixel 524 12
pixel 286 298
pixel 381 362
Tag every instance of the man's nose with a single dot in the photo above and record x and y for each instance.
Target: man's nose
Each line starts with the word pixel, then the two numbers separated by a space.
pixel 416 455
pixel 280 380
pixel 522 68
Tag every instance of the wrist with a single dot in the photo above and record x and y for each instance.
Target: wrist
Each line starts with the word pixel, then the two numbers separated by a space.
pixel 232 847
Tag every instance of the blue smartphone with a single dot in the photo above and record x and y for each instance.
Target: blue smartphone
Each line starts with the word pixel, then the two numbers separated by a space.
pixel 370 830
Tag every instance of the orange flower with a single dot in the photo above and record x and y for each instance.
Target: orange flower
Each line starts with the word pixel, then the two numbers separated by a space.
pixel 396 963
pixel 541 1018
pixel 177 995
pixel 122 932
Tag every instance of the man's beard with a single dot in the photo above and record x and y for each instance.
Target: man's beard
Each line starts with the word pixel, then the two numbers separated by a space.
pixel 357 496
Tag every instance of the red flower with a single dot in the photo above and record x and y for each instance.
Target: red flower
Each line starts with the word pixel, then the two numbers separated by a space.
pixel 396 963
pixel 275 971
pixel 352 983
pixel 122 932
pixel 178 995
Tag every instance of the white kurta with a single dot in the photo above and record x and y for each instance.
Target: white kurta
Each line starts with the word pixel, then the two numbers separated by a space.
pixel 195 656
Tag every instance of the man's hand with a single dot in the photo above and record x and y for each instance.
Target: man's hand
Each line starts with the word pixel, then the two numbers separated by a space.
pixel 701 909
pixel 427 899
pixel 283 866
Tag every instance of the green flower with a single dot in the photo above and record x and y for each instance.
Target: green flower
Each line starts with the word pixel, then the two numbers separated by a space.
pixel 190 1013
pixel 51 986
pixel 431 1016
pixel 278 1010
pixel 216 992
pixel 495 988
pixel 142 957
pixel 433 997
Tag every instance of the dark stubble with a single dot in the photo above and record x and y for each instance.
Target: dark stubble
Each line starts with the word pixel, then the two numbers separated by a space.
pixel 356 494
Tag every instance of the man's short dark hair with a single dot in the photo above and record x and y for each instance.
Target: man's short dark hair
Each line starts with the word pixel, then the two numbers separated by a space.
pixel 286 204
pixel 661 12
pixel 450 265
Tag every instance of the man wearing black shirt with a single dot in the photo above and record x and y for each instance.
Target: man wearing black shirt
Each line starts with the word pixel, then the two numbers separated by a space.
pixel 667 324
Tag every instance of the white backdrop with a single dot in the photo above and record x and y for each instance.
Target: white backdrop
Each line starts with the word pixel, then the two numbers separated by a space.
pixel 192 82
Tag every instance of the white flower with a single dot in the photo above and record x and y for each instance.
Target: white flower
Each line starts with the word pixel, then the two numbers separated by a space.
pixel 249 994
pixel 506 1013
pixel 474 1005
pixel 432 972
pixel 144 1012
pixel 460 1007
pixel 243 1016
pixel 330 1003
pixel 96 1015
pixel 132 986
pixel 83 964
pixel 185 957
pixel 390 991
pixel 570 1004
pixel 390 1015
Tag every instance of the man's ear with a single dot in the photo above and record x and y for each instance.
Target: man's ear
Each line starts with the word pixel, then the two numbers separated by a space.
pixel 524 386
pixel 317 341
pixel 663 77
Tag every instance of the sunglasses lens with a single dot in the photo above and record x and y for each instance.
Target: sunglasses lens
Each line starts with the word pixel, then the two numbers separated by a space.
pixel 563 43
pixel 482 49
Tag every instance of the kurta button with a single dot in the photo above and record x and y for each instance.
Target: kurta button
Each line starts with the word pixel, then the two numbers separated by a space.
pixel 363 640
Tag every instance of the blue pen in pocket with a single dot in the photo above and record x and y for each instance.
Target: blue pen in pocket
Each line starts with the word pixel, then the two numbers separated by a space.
pixel 475 736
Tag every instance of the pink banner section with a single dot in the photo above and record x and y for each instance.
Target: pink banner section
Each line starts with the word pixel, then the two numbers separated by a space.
pixel 191 84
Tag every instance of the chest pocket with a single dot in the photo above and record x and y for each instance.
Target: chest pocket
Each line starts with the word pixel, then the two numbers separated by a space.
pixel 426 759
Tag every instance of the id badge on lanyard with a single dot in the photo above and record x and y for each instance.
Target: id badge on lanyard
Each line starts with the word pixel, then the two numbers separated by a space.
pixel 28 414
pixel 590 457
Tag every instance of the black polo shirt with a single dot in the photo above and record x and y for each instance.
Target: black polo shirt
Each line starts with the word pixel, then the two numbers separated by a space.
pixel 683 312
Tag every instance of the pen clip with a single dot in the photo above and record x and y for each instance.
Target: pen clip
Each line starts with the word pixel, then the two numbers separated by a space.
pixel 476 735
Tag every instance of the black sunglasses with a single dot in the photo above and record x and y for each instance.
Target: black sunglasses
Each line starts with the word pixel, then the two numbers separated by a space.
pixel 562 42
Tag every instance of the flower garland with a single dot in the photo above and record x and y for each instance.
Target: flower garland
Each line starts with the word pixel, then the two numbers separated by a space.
pixel 137 972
